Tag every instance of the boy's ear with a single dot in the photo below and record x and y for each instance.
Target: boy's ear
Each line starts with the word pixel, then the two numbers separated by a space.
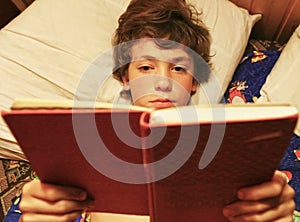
pixel 124 80
pixel 194 86
pixel 125 83
pixel 124 77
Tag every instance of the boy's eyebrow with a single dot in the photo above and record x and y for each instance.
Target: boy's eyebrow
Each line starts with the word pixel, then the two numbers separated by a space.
pixel 172 60
pixel 181 59
pixel 144 57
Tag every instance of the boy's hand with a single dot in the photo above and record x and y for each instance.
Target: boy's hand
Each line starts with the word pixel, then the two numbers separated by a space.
pixel 270 201
pixel 46 202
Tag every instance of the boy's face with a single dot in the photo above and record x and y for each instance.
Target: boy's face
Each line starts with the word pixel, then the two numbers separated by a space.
pixel 160 78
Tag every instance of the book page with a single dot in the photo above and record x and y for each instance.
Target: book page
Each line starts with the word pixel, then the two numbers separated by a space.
pixel 112 217
pixel 221 113
pixel 30 103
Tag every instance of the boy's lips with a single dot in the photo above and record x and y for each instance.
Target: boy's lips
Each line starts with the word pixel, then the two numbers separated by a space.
pixel 162 103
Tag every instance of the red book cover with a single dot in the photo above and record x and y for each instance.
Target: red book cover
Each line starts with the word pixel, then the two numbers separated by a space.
pixel 197 168
pixel 180 164
pixel 81 148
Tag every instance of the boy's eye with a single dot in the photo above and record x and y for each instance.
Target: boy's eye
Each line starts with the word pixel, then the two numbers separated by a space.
pixel 144 68
pixel 179 69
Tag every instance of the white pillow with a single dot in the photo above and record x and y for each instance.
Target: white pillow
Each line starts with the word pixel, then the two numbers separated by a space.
pixel 283 82
pixel 46 49
pixel 230 27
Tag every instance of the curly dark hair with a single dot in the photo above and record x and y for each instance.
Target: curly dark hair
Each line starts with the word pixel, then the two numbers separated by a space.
pixel 173 20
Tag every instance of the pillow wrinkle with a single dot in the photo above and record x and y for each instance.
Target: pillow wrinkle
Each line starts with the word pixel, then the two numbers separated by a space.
pixel 61 48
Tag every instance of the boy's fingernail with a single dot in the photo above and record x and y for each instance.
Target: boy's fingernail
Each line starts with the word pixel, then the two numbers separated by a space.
pixel 241 195
pixel 83 195
pixel 230 218
pixel 80 195
pixel 226 212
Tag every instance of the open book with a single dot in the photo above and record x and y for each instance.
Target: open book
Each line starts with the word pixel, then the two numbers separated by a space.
pixel 176 164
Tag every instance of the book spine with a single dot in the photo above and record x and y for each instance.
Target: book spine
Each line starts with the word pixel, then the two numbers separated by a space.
pixel 147 160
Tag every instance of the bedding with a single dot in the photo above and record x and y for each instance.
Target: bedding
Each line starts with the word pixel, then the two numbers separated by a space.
pixel 228 44
pixel 14 174
pixel 282 85
pixel 252 73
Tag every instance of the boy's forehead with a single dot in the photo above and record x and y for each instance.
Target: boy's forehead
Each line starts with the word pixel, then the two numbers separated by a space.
pixel 148 49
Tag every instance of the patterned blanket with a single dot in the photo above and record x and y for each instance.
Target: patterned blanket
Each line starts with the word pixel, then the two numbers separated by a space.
pixel 13 175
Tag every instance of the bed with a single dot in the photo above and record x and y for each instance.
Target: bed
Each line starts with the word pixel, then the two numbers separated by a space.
pixel 47 48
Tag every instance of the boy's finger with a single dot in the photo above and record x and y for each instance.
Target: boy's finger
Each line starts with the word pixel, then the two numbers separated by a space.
pixel 62 207
pixel 265 190
pixel 52 192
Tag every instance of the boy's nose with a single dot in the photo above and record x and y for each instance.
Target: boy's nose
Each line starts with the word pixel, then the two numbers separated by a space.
pixel 163 84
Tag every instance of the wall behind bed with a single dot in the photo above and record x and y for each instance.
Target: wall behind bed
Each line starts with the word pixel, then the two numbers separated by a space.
pixel 280 18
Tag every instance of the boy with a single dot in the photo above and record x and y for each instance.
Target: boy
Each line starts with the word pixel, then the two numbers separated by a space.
pixel 157 72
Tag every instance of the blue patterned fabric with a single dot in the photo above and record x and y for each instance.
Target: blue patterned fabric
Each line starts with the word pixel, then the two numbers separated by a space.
pixel 291 163
pixel 14 212
pixel 254 69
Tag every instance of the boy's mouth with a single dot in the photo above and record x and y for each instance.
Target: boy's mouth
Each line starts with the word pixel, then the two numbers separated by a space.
pixel 162 103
